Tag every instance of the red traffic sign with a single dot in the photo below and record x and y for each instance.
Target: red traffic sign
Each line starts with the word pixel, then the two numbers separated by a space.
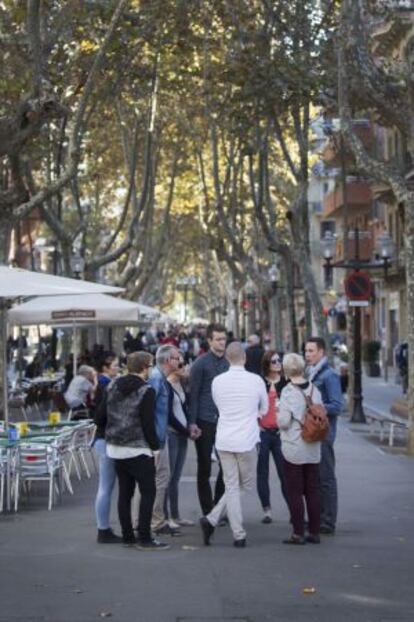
pixel 358 285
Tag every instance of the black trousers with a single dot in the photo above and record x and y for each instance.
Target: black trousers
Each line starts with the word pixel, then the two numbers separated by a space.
pixel 132 471
pixel 204 447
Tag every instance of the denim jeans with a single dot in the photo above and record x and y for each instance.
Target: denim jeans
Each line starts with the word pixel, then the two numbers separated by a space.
pixel 329 491
pixel 269 444
pixel 107 478
pixel 177 449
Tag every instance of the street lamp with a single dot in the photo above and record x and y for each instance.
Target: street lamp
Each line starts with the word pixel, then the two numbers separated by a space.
pixel 328 249
pixel 276 329
pixel 385 251
pixel 77 264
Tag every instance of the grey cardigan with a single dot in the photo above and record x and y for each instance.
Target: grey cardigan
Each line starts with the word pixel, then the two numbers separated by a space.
pixel 291 412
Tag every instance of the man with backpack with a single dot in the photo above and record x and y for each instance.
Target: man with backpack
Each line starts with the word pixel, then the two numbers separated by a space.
pixel 321 374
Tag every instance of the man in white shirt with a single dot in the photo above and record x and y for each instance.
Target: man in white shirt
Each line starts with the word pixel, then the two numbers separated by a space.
pixel 241 398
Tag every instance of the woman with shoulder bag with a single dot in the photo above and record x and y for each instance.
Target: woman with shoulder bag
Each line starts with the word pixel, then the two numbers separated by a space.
pixel 275 381
pixel 301 458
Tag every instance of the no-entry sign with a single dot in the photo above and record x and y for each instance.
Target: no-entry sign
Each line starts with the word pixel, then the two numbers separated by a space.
pixel 358 286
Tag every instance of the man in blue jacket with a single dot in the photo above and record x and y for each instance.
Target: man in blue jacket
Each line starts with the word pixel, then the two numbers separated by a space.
pixel 328 383
pixel 167 358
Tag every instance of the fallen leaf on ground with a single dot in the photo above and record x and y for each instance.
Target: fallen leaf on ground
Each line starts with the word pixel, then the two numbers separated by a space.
pixel 309 590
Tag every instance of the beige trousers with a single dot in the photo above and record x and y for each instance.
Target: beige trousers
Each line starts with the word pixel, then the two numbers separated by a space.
pixel 162 478
pixel 239 473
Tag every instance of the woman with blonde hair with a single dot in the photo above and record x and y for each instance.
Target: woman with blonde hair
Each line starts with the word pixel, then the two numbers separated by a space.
pixel 301 458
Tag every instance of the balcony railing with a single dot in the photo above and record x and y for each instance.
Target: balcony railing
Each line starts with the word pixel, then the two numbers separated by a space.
pixel 359 196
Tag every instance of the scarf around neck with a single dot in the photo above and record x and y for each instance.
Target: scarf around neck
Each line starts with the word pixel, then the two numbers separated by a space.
pixel 315 369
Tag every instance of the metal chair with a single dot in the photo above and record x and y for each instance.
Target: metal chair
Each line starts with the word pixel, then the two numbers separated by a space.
pixel 82 445
pixel 38 462
pixel 64 446
pixel 4 458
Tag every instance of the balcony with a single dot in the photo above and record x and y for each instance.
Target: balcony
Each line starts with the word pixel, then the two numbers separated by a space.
pixel 331 149
pixel 365 247
pixel 359 196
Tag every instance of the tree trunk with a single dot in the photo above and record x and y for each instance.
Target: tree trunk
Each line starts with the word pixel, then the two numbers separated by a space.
pixel 290 304
pixel 409 269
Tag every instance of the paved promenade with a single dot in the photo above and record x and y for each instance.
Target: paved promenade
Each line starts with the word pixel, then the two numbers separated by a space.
pixel 52 570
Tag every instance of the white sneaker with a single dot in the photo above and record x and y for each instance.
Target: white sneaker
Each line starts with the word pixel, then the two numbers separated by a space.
pixel 173 524
pixel 185 522
pixel 267 517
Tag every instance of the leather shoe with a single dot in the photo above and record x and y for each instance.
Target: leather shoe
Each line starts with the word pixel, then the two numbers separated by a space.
pixel 207 529
pixel 240 544
pixel 294 539
pixel 313 538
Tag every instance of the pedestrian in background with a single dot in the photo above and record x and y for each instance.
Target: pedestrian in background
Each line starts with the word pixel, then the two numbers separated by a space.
pixel 241 398
pixel 254 355
pixel 269 433
pixel 300 458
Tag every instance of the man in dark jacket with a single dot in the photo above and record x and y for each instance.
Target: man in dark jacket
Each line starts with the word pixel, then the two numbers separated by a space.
pixel 254 355
pixel 132 442
pixel 204 414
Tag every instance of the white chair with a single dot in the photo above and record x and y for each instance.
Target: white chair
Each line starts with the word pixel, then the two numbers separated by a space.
pixel 64 446
pixel 38 462
pixel 82 445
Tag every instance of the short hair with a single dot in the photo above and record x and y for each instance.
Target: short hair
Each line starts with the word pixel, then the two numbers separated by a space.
pixel 163 354
pixel 320 343
pixel 235 353
pixel 293 364
pixel 266 360
pixel 85 370
pixel 138 361
pixel 106 361
pixel 214 328
pixel 253 339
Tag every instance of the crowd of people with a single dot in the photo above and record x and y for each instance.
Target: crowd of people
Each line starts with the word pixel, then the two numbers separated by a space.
pixel 239 404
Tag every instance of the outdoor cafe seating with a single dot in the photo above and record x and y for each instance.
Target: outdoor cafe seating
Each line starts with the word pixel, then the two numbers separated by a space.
pixel 47 451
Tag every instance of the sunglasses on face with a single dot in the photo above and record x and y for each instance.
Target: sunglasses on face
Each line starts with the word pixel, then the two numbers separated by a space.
pixel 275 361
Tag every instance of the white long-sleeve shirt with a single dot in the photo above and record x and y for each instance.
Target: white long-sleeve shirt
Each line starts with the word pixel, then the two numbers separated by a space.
pixel 241 398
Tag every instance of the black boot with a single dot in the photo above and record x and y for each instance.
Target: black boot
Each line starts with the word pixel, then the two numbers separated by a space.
pixel 107 536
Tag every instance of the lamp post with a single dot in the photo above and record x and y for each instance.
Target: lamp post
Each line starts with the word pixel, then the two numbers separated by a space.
pixel 384 253
pixel 276 321
pixel 77 264
pixel 183 284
